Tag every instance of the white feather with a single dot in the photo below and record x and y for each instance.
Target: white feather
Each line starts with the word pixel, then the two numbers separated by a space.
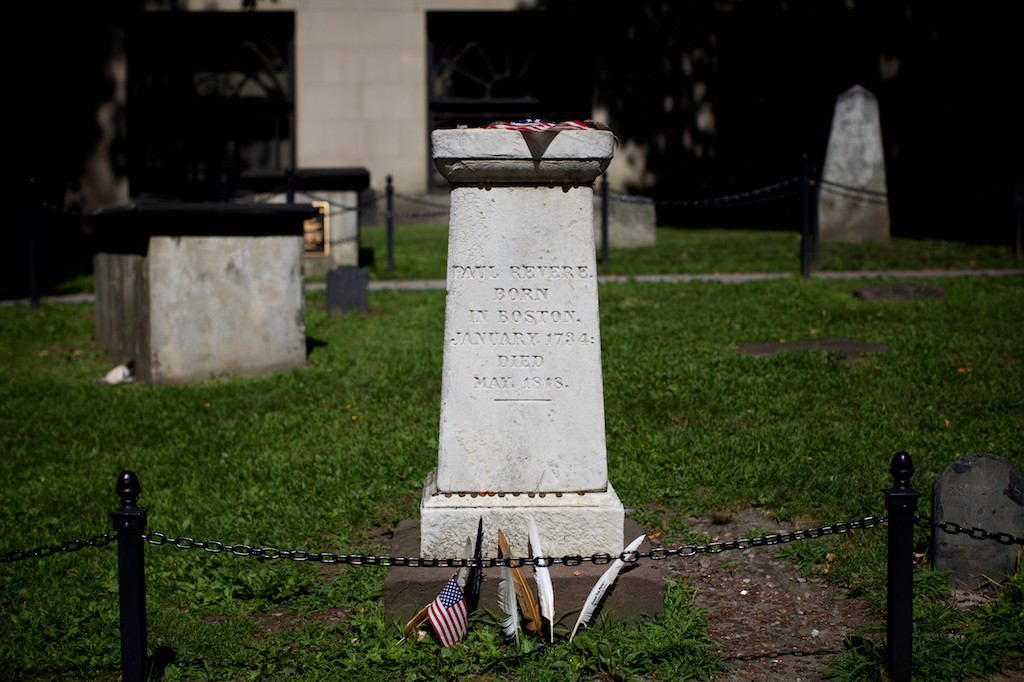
pixel 606 580
pixel 508 603
pixel 545 592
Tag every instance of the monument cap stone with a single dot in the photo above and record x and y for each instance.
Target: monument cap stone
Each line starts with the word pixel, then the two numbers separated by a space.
pixel 522 157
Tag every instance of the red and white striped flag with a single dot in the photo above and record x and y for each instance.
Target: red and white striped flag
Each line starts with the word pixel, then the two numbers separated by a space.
pixel 448 614
pixel 535 125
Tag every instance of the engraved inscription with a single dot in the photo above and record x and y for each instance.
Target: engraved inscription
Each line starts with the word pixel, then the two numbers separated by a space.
pixel 460 338
pixel 549 272
pixel 539 318
pixel 520 360
pixel 520 294
pixel 475 272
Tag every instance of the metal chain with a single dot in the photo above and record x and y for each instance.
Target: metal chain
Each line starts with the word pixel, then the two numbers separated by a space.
pixel 756 196
pixel 49 550
pixel 854 195
pixel 598 559
pixel 975 533
pixel 855 190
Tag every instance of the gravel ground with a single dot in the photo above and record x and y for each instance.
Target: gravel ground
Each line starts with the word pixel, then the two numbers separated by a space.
pixel 769 622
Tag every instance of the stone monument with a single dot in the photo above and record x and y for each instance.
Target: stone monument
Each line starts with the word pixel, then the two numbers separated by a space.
pixel 853 204
pixel 195 291
pixel 978 491
pixel 522 405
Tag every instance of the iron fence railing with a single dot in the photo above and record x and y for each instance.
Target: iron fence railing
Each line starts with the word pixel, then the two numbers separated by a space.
pixel 129 522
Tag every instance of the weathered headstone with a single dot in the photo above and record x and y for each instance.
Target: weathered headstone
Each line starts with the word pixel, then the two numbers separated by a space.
pixel 850 348
pixel 522 408
pixel 631 221
pixel 347 290
pixel 853 204
pixel 978 491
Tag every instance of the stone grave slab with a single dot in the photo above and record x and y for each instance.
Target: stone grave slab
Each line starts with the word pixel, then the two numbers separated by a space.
pixel 977 491
pixel 899 292
pixel 851 348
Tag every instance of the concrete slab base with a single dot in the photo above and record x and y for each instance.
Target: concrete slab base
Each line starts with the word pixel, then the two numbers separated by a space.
pixel 637 591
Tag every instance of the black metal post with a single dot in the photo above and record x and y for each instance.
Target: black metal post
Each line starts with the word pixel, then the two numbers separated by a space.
pixel 289 185
pixel 129 522
pixel 604 221
pixel 1018 203
pixel 815 186
pixel 901 502
pixel 389 192
pixel 805 218
pixel 33 244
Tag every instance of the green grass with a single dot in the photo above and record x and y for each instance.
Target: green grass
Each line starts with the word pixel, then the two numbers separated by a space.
pixel 420 251
pixel 331 456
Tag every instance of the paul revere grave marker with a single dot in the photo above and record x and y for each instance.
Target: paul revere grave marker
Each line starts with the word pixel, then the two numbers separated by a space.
pixel 522 407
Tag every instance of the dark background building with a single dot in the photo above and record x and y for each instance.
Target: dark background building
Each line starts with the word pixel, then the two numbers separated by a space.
pixel 707 97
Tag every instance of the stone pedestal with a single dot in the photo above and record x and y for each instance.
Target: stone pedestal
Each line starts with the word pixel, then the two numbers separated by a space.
pixel 195 291
pixel 522 405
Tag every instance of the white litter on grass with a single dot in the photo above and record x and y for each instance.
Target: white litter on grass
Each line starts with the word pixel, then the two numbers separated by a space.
pixel 119 375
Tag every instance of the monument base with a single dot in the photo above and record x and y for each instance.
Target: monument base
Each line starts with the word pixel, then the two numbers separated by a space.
pixel 568 523
pixel 637 591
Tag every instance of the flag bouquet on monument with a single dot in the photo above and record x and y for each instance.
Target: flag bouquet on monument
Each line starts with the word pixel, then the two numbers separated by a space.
pixel 449 613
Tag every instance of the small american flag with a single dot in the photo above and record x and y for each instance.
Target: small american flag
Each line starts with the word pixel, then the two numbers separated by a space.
pixel 448 614
pixel 535 125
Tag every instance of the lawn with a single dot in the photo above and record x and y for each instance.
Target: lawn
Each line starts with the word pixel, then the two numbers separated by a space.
pixel 331 456
pixel 420 250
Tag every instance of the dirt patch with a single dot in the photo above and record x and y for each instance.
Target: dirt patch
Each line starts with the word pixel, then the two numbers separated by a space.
pixel 767 621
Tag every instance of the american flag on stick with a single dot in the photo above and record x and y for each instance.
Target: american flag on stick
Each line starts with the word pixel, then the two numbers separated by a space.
pixel 448 614
pixel 536 125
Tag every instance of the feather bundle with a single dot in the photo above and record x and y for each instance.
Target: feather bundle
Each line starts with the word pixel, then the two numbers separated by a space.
pixel 606 580
pixel 415 622
pixel 542 575
pixel 507 596
pixel 527 603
